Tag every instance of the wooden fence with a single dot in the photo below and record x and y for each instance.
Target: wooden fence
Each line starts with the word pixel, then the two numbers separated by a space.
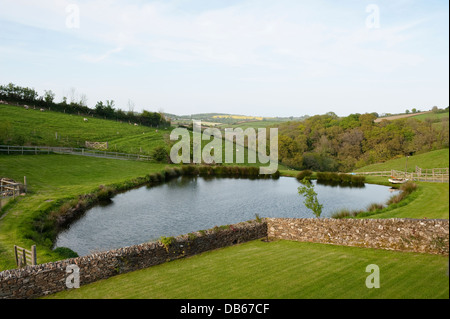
pixel 24 256
pixel 436 175
pixel 35 150
pixel 9 188
pixel 97 145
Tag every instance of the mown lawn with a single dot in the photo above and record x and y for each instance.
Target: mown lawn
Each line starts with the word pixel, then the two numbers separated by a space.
pixel 279 270
pixel 431 201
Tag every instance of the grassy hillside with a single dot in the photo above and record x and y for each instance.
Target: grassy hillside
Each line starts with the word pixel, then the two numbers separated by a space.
pixel 279 270
pixel 434 159
pixel 19 126
pixel 32 127
pixel 432 116
pixel 431 200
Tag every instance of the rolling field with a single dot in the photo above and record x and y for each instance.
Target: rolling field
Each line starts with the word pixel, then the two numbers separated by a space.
pixel 279 270
pixel 434 159
pixel 32 127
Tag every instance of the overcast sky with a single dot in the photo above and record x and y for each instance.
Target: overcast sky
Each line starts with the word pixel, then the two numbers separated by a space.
pixel 251 57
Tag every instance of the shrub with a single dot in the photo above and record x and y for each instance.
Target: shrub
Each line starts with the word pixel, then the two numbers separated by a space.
pixel 105 193
pixel 374 207
pixel 304 174
pixel 408 187
pixel 358 179
pixel 167 242
pixel 345 178
pixel 65 252
pixel 189 170
pixel 160 154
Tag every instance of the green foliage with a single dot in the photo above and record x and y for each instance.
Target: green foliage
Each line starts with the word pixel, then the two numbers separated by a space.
pixel 22 95
pixel 167 242
pixel 65 252
pixel 311 202
pixel 160 154
pixel 327 143
pixel 304 174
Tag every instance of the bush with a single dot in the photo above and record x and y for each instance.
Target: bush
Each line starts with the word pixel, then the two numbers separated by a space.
pixel 358 179
pixel 65 252
pixel 304 174
pixel 160 154
pixel 189 170
pixel 408 187
pixel 105 193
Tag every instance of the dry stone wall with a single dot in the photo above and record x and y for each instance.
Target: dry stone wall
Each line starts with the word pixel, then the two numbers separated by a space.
pixel 423 236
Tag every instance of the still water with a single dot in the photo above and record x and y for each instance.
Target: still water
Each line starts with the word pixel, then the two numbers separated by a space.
pixel 187 204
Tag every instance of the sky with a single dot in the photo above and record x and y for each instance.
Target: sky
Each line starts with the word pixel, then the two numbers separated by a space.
pixel 250 57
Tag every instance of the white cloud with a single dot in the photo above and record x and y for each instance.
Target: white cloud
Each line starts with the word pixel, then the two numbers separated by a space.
pixel 283 43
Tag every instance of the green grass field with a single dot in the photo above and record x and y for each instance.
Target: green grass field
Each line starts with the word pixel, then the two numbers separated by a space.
pixel 432 116
pixel 279 270
pixel 32 127
pixel 434 159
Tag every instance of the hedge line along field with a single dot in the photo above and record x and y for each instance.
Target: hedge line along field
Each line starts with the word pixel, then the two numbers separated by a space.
pixel 279 270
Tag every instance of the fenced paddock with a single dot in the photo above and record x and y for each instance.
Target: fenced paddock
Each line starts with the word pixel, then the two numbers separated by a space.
pixel 434 175
pixel 36 150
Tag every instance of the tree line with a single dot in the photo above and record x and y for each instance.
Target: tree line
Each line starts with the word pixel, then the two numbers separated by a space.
pixel 328 143
pixel 12 93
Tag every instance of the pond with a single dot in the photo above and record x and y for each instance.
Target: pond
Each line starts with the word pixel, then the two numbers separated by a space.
pixel 188 204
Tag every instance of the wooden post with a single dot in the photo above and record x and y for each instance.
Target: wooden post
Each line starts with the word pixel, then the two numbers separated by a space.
pixel 16 255
pixel 24 254
pixel 25 183
pixel 33 255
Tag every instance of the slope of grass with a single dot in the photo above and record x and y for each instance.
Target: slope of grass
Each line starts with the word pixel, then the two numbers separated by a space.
pixel 430 200
pixel 434 159
pixel 432 116
pixel 32 127
pixel 279 270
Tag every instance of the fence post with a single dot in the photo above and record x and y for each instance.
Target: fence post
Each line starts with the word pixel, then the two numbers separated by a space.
pixel 16 255
pixel 25 183
pixel 33 255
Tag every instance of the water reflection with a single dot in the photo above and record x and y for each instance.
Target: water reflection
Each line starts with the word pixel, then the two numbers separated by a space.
pixel 188 204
